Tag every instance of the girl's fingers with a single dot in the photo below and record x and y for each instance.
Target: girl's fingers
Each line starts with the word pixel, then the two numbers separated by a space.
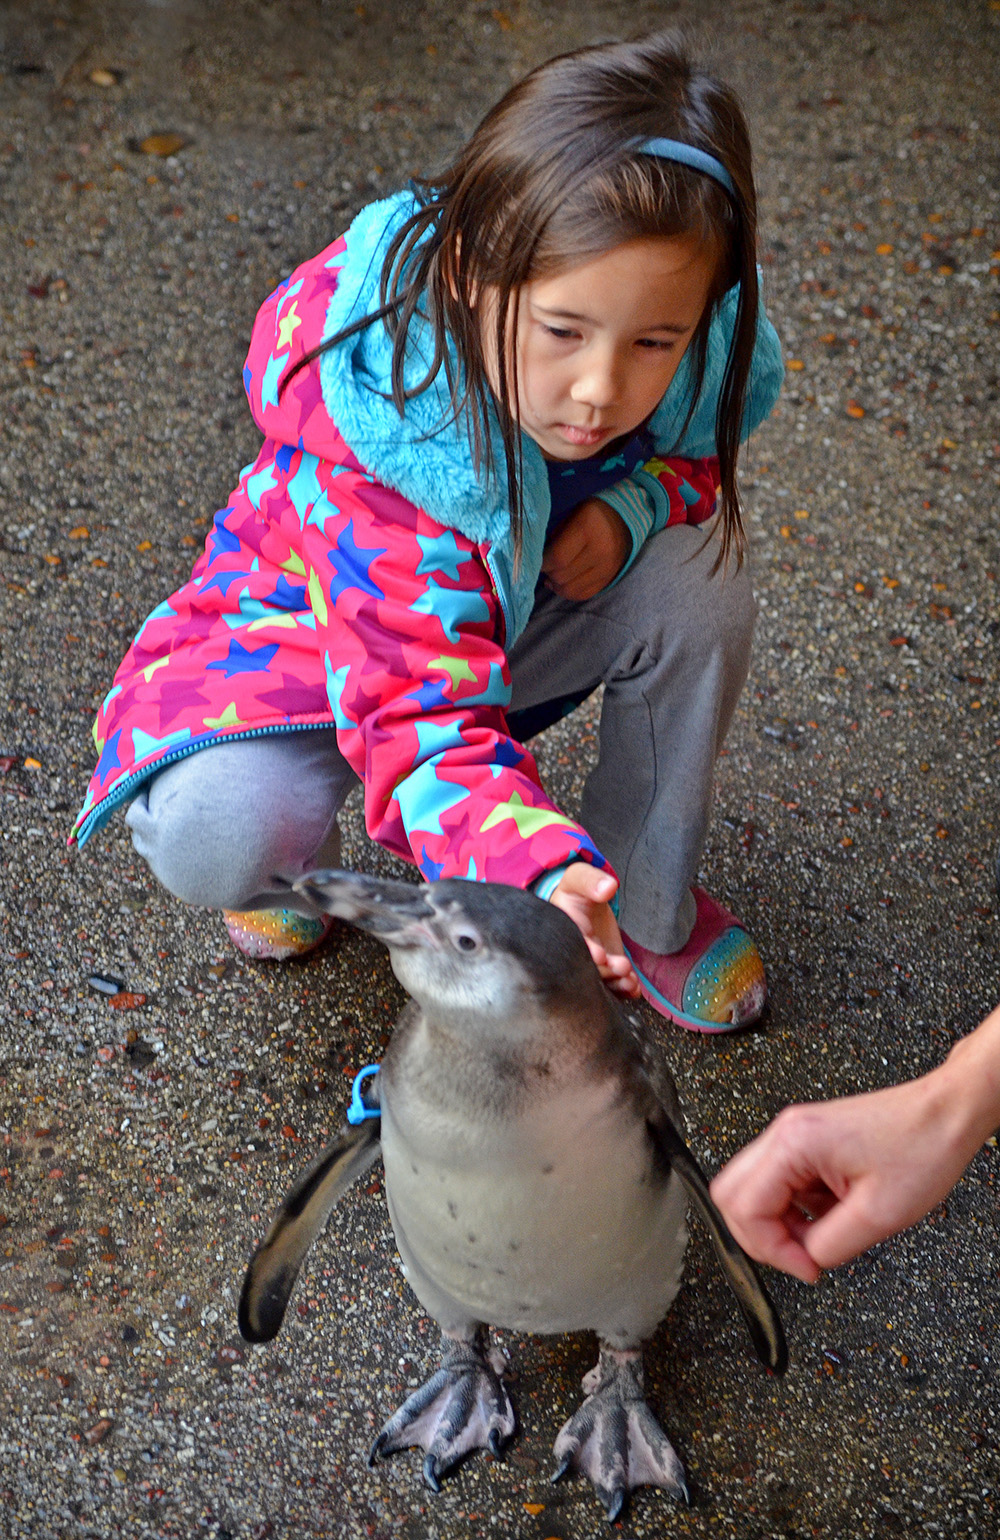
pixel 584 893
pixel 598 954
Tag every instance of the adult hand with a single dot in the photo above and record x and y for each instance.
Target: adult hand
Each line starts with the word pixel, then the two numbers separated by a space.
pixel 862 1167
pixel 584 892
pixel 587 551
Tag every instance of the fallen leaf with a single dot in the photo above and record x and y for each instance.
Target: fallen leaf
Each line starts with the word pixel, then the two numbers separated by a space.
pixel 162 144
pixel 125 1001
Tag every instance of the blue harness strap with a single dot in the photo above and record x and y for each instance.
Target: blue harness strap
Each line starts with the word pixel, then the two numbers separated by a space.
pixel 359 1109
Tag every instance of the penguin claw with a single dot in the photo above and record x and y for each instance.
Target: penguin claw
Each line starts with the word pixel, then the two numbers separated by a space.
pixel 430 1473
pixel 613 1503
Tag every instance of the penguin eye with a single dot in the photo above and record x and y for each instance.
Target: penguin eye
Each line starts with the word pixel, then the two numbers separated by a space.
pixel 466 940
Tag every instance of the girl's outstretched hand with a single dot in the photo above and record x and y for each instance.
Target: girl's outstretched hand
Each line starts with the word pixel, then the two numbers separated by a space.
pixel 585 892
pixel 587 551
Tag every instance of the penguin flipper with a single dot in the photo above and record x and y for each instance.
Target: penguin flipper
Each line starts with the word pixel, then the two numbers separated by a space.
pixel 755 1303
pixel 274 1266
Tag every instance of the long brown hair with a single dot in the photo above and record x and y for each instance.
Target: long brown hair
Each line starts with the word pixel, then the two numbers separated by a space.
pixel 551 178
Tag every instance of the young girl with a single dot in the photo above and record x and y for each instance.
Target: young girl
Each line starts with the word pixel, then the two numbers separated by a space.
pixel 498 415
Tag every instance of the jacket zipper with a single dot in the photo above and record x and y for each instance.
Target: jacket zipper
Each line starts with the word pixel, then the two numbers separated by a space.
pixel 114 799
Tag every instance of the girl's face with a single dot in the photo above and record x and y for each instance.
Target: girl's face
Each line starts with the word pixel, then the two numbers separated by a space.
pixel 598 344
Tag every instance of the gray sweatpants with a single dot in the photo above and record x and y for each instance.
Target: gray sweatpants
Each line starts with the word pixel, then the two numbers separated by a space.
pixel 235 826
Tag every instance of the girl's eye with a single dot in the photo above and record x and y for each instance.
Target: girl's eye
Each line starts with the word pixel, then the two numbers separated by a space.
pixel 561 332
pixel 655 344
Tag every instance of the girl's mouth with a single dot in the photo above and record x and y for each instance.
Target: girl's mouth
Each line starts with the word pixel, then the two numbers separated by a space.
pixel 583 437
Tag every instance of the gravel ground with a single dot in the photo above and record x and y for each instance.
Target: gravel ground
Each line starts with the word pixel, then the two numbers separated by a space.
pixel 146 1143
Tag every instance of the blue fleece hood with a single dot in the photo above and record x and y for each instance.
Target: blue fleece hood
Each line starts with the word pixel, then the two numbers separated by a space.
pixel 428 458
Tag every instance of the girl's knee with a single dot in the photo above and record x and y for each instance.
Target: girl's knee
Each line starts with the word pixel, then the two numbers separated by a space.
pixel 229 831
pixel 199 856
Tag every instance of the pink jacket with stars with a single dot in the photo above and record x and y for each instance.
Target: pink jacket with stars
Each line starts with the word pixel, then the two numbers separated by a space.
pixel 335 589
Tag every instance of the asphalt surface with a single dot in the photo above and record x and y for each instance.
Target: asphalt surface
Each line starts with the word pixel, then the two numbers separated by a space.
pixel 144 1148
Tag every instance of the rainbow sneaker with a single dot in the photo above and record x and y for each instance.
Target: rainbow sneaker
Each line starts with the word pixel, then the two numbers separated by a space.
pixel 276 934
pixel 715 983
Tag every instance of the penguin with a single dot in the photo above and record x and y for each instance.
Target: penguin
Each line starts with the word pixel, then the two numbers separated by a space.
pixel 534 1172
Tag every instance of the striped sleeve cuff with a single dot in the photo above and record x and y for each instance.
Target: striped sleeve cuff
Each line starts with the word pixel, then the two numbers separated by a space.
pixel 634 507
pixel 638 503
pixel 545 885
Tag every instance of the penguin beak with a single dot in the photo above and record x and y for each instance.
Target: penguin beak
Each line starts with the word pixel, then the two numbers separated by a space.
pixel 398 913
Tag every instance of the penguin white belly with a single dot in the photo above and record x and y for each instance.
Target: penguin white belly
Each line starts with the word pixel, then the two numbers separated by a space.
pixel 556 1220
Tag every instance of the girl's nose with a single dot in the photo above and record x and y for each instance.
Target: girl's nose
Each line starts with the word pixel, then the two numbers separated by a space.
pixel 596 384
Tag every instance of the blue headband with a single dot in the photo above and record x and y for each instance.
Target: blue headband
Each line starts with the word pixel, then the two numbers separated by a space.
pixel 687 155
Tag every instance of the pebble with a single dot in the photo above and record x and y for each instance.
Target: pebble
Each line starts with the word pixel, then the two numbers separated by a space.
pixel 105 985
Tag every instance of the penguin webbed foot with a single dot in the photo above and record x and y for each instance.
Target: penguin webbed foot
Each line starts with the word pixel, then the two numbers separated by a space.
pixel 613 1438
pixel 463 1407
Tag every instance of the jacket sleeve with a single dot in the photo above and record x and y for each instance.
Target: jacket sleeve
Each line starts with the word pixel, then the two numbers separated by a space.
pixel 663 492
pixel 409 628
